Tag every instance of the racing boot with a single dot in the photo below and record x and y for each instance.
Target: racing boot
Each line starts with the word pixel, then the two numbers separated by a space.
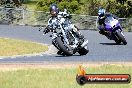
pixel 60 53
pixel 107 34
pixel 103 32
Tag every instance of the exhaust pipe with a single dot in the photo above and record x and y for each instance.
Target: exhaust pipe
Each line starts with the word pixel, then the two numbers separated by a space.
pixel 84 43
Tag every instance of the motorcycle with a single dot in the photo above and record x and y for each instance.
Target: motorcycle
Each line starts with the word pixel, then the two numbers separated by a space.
pixel 114 30
pixel 65 41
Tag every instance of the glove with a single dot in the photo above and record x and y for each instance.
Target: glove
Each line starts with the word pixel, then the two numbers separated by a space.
pixel 46 30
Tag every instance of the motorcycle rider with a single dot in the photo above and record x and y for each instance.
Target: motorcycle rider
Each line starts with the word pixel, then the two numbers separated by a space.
pixel 102 15
pixel 56 14
pixel 61 16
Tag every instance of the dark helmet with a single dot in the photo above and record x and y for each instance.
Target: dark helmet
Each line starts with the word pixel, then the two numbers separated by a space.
pixel 54 10
pixel 101 12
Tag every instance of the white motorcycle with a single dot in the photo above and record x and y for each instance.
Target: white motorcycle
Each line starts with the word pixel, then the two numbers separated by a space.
pixel 66 41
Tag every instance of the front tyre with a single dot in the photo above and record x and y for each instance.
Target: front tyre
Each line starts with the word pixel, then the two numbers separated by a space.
pixel 67 50
pixel 117 41
pixel 121 37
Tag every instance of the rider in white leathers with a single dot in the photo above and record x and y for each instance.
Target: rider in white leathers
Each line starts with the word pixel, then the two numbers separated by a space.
pixel 61 16
pixel 58 16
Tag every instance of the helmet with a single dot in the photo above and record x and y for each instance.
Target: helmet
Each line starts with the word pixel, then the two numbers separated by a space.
pixel 101 12
pixel 54 10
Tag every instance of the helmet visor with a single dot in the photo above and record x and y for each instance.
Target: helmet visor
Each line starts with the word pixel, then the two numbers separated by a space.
pixel 53 12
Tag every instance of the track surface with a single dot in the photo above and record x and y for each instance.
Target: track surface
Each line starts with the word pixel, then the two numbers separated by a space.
pixel 101 49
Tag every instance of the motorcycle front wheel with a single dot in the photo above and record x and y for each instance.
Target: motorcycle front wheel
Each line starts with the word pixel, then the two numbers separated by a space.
pixel 121 37
pixel 67 50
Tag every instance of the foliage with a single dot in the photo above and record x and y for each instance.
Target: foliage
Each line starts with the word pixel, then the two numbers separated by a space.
pixel 93 7
pixel 89 7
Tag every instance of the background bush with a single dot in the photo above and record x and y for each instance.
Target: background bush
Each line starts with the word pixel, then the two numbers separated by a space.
pixel 90 7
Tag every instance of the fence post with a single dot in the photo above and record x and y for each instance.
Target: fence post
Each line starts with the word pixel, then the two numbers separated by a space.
pixel 23 17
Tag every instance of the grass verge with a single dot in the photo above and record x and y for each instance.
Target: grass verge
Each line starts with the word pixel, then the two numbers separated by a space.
pixel 10 47
pixel 58 78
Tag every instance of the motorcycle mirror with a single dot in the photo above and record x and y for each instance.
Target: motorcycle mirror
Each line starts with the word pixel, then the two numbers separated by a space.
pixel 65 10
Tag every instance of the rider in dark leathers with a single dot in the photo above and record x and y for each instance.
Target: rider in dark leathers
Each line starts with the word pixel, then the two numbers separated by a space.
pixel 102 15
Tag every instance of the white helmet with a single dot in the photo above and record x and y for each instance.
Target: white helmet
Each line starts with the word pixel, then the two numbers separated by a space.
pixel 101 12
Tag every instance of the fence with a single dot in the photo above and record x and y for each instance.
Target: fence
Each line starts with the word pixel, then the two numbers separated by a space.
pixel 10 15
pixel 40 18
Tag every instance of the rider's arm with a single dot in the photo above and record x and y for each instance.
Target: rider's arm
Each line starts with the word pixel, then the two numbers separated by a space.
pixel 64 14
pixel 49 26
pixel 50 21
pixel 100 24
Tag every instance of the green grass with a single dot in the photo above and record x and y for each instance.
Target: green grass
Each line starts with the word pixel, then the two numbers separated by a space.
pixel 9 47
pixel 58 78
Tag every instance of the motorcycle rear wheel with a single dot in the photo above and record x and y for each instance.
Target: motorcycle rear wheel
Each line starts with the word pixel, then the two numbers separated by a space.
pixel 83 51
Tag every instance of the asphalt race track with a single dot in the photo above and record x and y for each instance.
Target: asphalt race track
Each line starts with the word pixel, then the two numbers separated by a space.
pixel 101 49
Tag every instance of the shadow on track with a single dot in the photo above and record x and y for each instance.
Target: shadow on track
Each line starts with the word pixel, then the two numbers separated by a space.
pixel 110 44
pixel 67 56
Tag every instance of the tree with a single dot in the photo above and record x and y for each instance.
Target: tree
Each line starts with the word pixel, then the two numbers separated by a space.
pixel 121 1
pixel 129 3
pixel 93 7
pixel 17 2
pixel 2 2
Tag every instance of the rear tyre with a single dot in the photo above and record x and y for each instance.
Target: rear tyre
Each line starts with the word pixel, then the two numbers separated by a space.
pixel 83 51
pixel 67 50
